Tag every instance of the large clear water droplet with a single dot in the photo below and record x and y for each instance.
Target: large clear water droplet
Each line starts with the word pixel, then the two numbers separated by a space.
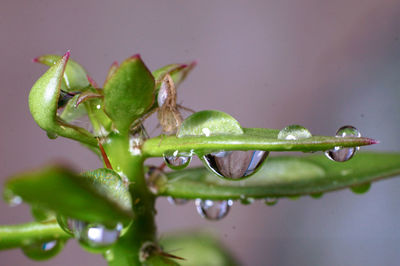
pixel 43 251
pixel 271 201
pixel 339 154
pixel 213 209
pixel 235 165
pixel 176 162
pixel 294 132
pixel 91 235
pixel 95 235
pixel 177 201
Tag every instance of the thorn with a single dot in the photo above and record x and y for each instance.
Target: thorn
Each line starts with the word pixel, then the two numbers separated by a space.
pixel 373 141
pixel 67 54
pixel 114 64
pixel 162 253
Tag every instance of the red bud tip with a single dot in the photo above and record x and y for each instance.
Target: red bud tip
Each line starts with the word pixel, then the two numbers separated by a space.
pixel 373 141
pixel 114 64
pixel 135 56
pixel 67 54
pixel 36 60
pixel 91 81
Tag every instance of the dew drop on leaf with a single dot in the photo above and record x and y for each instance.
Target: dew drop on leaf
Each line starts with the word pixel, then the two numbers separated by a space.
pixel 317 195
pixel 177 201
pixel 43 251
pixel 339 154
pixel 361 189
pixel 271 201
pixel 96 235
pixel 235 165
pixel 11 199
pixel 213 209
pixel 90 235
pixel 246 200
pixel 176 162
pixel 294 132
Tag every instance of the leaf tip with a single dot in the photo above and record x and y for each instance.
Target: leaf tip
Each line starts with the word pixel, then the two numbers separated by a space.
pixel 135 56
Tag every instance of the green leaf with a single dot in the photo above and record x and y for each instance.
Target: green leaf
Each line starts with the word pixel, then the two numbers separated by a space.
pixel 252 139
pixel 285 176
pixel 43 103
pixel 129 93
pixel 111 185
pixel 59 189
pixel 75 76
pixel 72 112
pixel 178 72
pixel 12 236
pixel 198 249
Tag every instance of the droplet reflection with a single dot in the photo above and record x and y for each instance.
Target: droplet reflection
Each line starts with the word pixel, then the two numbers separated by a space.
pixel 213 210
pixel 339 154
pixel 235 165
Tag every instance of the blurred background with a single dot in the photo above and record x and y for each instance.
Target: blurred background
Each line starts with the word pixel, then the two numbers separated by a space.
pixel 320 64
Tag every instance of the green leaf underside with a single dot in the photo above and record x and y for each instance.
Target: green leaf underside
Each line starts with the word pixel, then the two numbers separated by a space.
pixel 198 249
pixel 57 188
pixel 129 93
pixel 12 236
pixel 285 176
pixel 251 139
pixel 43 104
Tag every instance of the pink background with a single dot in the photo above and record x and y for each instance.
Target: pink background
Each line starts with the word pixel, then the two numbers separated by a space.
pixel 321 64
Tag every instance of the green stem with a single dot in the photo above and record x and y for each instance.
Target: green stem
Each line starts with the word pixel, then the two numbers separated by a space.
pixel 130 165
pixel 12 236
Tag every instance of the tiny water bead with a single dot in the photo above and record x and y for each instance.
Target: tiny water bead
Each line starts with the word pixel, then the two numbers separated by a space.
pixel 361 189
pixel 271 201
pixel 339 154
pixel 294 132
pixel 177 201
pixel 246 200
pixel 235 165
pixel 176 162
pixel 11 199
pixel 213 210
pixel 43 251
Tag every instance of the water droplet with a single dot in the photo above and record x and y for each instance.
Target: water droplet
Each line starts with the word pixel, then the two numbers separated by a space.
pixel 176 162
pixel 294 132
pixel 51 135
pixel 235 165
pixel 213 210
pixel 43 251
pixel 361 189
pixel 11 199
pixel 339 154
pixel 271 201
pixel 246 200
pixel 317 195
pixel 177 201
pixel 96 235
pixel 295 197
pixel 91 235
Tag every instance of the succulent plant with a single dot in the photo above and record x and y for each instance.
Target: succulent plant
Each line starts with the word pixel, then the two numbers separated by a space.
pixel 111 210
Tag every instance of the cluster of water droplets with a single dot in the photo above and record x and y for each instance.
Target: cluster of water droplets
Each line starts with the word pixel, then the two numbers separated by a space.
pixel 91 235
pixel 339 154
